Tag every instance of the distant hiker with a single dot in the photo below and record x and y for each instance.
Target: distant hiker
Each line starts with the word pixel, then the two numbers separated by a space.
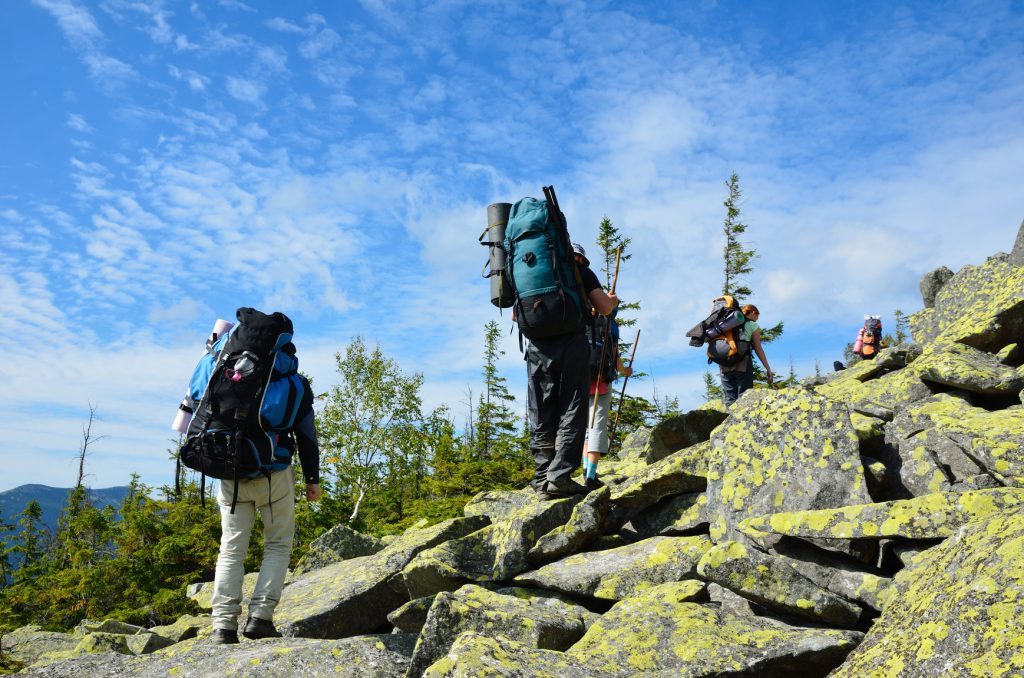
pixel 254 410
pixel 869 338
pixel 731 333
pixel 601 378
pixel 554 290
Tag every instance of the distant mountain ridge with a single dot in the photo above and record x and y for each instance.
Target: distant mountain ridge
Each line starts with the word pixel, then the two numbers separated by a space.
pixel 52 500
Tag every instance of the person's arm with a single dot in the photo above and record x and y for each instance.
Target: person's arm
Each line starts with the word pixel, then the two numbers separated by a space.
pixel 756 341
pixel 307 444
pixel 603 302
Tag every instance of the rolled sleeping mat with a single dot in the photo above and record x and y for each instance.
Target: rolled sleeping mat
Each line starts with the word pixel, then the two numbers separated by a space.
pixel 502 294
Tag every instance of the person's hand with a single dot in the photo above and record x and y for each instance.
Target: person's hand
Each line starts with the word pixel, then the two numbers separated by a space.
pixel 627 372
pixel 615 300
pixel 312 491
pixel 770 376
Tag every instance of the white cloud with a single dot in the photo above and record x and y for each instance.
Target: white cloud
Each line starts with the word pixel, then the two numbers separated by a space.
pixel 321 44
pixel 283 25
pixel 242 89
pixel 78 123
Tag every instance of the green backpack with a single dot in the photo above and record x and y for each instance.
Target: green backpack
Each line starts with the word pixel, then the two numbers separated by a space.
pixel 548 301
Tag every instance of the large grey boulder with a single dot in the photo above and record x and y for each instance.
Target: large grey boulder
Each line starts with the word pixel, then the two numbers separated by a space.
pixel 584 526
pixel 682 471
pixel 617 573
pixel 981 306
pixel 967 368
pixel 660 632
pixel 673 434
pixel 959 611
pixel 356 595
pixel 773 583
pixel 385 656
pixel 339 543
pixel 543 623
pixel 932 282
pixel 1017 254
pixel 475 655
pixel 786 450
pixel 496 552
pixel 679 514
pixel 500 504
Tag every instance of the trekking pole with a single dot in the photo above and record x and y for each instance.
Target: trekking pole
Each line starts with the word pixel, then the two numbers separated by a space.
pixel 604 342
pixel 563 228
pixel 622 393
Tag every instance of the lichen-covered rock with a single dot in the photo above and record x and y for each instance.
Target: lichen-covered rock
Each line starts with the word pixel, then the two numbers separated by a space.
pixel 981 306
pixel 91 643
pixel 87 626
pixel 384 656
pixel 771 582
pixel 202 593
pixel 682 471
pixel 676 515
pixel 496 552
pixel 782 451
pixel 355 596
pixel 840 577
pixel 184 627
pixel 543 623
pixel 28 643
pixel 960 611
pixel 927 459
pixel 932 282
pixel 145 643
pixel 993 441
pixel 478 656
pixel 339 543
pixel 410 617
pixel 661 633
pixel 500 504
pixel 967 368
pixel 583 527
pixel 617 573
pixel 674 434
pixel 932 516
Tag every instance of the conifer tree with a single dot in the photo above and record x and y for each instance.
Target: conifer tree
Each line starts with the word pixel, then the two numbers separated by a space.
pixel 712 389
pixel 31 541
pixel 735 253
pixel 495 419
pixel 738 260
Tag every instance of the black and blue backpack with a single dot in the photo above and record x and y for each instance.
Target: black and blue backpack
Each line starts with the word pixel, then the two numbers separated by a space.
pixel 603 329
pixel 248 390
pixel 540 266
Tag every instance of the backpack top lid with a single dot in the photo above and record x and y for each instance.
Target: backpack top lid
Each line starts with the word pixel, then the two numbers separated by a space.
pixel 873 323
pixel 265 333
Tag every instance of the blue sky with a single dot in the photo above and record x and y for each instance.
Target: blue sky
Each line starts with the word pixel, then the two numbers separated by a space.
pixel 166 162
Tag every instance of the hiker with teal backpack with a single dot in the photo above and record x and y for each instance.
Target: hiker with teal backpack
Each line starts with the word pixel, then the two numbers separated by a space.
pixel 253 411
pixel 553 293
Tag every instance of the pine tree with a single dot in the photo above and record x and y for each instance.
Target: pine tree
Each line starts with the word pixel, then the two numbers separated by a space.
pixel 902 324
pixel 31 541
pixel 712 390
pixel 738 263
pixel 736 255
pixel 495 418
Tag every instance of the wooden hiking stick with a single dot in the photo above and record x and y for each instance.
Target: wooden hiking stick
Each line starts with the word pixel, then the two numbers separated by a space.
pixel 622 393
pixel 604 342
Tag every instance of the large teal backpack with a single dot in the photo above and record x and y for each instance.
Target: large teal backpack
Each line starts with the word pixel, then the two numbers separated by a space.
pixel 548 301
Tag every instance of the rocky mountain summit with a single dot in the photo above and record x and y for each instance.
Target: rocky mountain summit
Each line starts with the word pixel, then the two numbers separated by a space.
pixel 865 523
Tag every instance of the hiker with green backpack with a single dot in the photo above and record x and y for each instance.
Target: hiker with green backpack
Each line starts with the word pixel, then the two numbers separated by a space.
pixel 553 293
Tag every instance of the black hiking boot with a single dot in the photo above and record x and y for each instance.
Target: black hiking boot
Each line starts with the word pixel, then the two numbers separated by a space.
pixel 593 484
pixel 224 637
pixel 564 488
pixel 256 628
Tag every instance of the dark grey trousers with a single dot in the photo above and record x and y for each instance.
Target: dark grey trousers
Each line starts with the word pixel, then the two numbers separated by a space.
pixel 557 370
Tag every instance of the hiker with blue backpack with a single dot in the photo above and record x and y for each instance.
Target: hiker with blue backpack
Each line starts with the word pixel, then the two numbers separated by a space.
pixel 252 412
pixel 551 291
